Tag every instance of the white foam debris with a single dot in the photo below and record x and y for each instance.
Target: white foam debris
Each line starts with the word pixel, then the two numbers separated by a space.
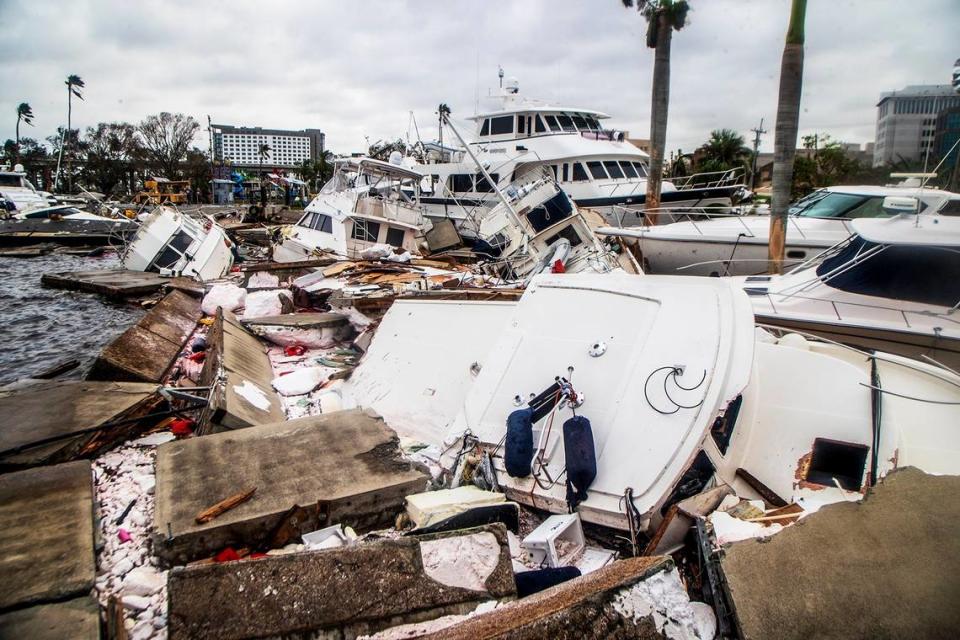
pixel 300 381
pixel 662 596
pixel 267 303
pixel 252 394
pixel 461 561
pixel 727 529
pixel 225 295
pixel 126 567
pixel 263 280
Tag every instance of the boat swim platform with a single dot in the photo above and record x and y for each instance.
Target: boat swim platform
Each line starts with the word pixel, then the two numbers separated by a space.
pixel 112 283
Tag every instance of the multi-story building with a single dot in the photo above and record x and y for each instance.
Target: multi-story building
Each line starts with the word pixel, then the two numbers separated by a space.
pixel 241 146
pixel 907 120
pixel 946 136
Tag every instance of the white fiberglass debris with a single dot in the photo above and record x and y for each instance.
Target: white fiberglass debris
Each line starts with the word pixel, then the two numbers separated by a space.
pixel 153 439
pixel 263 280
pixel 399 257
pixel 300 381
pixel 267 303
pixel 461 561
pixel 225 295
pixel 252 394
pixel 377 251
pixel 322 338
pixel 663 596
pixel 357 319
pixel 730 529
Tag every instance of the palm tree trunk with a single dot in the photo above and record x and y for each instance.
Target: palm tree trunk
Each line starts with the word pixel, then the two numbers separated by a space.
pixel 785 136
pixel 658 114
pixel 69 114
pixel 16 153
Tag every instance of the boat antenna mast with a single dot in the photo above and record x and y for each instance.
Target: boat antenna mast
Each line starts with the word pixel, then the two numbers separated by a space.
pixel 445 119
pixel 500 75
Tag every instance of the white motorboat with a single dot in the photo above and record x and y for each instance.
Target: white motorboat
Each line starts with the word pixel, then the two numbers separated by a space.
pixel 171 243
pixel 893 286
pixel 737 245
pixel 538 228
pixel 597 167
pixel 367 202
pixel 62 224
pixel 17 193
pixel 682 393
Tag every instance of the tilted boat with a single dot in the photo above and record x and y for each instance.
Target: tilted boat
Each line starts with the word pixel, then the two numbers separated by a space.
pixel 172 243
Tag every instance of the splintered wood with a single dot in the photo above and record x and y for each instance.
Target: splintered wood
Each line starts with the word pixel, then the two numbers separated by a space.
pixel 223 506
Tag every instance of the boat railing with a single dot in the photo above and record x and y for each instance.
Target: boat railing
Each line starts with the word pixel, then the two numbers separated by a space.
pixel 695 216
pixel 710 179
pixel 836 305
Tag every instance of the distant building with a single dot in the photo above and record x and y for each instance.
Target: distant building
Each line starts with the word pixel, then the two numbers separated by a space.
pixel 640 143
pixel 946 135
pixel 288 149
pixel 907 119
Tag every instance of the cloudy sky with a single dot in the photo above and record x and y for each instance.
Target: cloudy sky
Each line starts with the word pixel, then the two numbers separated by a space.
pixel 357 68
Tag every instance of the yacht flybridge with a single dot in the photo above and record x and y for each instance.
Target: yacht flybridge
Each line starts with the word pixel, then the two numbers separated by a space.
pixel 596 166
pixel 736 245
pixel 366 202
pixel 892 286
pixel 662 386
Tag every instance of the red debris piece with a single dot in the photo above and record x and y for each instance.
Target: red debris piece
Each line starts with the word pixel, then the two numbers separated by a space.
pixel 558 267
pixel 294 350
pixel 124 535
pixel 199 356
pixel 182 427
pixel 227 555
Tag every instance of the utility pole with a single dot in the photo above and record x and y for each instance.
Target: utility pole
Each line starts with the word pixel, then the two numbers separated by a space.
pixel 759 131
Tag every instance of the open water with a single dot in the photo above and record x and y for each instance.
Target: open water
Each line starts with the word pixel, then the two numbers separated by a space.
pixel 41 327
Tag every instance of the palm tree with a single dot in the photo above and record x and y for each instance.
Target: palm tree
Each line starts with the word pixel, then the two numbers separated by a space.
pixel 24 113
pixel 724 150
pixel 74 84
pixel 785 135
pixel 663 17
pixel 443 112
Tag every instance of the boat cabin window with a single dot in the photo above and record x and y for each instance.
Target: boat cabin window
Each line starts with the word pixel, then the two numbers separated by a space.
pixel 521 123
pixel 485 129
pixel 641 170
pixel 569 233
pixel 579 173
pixel 552 123
pixel 482 185
pixel 905 272
pixel 395 237
pixel 550 213
pixel 830 204
pixel 365 230
pixel 501 125
pixel 594 124
pixel 540 126
pixel 628 170
pixel 951 208
pixel 841 461
pixel 460 182
pixel 581 122
pixel 613 168
pixel 596 170
pixel 318 221
pixel 566 123
pixel 10 181
pixel 565 176
pixel 722 429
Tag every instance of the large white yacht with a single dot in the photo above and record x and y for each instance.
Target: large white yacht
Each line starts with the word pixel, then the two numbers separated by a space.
pixel 893 286
pixel 596 166
pixel 737 245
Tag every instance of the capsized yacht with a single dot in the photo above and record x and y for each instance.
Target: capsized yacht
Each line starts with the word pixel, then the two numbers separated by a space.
pixel 596 166
pixel 366 202
pixel 736 245
pixel 172 243
pixel 893 285
pixel 680 391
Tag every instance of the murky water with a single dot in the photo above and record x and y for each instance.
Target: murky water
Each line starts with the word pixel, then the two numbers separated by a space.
pixel 41 327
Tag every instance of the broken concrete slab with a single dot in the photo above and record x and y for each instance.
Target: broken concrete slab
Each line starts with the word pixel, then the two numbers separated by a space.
pixel 46 423
pixel 78 618
pixel 632 598
pixel 343 467
pixel 239 372
pixel 145 351
pixel 112 283
pixel 46 541
pixel 890 566
pixel 342 592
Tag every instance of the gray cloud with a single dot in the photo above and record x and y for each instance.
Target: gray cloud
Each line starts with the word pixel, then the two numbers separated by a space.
pixel 356 69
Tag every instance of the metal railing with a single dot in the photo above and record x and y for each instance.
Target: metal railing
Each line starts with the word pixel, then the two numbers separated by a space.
pixel 710 179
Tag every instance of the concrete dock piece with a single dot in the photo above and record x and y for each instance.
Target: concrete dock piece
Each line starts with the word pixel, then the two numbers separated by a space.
pixel 342 592
pixel 60 412
pixel 632 598
pixel 78 618
pixel 342 467
pixel 145 351
pixel 239 372
pixel 888 567
pixel 112 283
pixel 46 541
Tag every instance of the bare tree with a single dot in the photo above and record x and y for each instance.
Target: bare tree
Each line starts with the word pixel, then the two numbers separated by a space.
pixel 166 139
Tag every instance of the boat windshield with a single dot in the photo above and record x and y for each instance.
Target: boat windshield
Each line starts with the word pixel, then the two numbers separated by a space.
pixel 831 204
pixel 10 180
pixel 895 272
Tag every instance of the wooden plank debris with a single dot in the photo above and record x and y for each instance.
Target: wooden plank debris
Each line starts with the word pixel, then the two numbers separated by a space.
pixel 223 506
